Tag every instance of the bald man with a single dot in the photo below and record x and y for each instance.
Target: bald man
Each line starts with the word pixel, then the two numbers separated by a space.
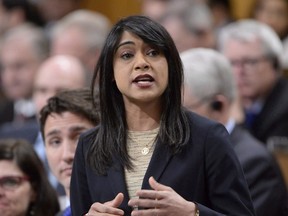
pixel 56 73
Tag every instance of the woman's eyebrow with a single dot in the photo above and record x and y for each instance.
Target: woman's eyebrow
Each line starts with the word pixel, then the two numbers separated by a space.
pixel 124 43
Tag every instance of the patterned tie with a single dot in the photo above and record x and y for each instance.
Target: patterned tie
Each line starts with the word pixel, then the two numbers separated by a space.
pixel 67 211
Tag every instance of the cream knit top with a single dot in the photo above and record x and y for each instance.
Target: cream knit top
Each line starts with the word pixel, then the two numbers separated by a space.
pixel 136 141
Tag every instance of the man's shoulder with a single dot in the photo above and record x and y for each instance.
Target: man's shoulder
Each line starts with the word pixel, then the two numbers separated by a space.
pixel 28 131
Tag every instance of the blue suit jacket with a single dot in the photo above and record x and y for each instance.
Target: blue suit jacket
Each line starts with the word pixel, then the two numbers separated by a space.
pixel 207 171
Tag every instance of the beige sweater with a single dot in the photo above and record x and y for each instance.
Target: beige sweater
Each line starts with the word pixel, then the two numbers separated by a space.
pixel 137 140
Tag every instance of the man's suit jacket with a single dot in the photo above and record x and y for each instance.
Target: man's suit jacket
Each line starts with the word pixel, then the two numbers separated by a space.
pixel 8 115
pixel 207 172
pixel 28 131
pixel 263 175
pixel 272 121
pixel 6 111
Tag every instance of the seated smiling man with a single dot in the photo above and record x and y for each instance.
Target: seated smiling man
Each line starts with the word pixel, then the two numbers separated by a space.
pixel 63 119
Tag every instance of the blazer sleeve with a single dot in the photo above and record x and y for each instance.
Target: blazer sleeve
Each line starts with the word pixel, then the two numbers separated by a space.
pixel 227 186
pixel 79 191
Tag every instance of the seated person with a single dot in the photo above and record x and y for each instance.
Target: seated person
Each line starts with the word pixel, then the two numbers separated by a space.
pixel 24 186
pixel 210 90
pixel 63 119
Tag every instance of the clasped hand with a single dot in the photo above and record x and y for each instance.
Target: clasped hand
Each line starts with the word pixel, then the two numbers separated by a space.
pixel 161 201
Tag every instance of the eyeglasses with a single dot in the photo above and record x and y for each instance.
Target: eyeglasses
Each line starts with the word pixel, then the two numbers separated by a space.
pixel 247 63
pixel 12 182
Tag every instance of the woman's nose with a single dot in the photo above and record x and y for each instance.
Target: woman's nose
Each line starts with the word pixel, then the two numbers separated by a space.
pixel 141 63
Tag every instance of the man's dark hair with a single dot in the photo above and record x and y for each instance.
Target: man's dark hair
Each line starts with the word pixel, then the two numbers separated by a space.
pixel 77 101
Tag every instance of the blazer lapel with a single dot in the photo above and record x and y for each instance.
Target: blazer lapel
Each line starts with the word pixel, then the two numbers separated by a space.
pixel 118 185
pixel 157 165
pixel 159 160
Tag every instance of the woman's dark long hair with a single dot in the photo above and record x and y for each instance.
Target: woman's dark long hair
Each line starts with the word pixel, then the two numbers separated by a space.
pixel 23 154
pixel 110 139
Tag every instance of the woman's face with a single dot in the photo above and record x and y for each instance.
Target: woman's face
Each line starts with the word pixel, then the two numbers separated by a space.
pixel 15 194
pixel 140 70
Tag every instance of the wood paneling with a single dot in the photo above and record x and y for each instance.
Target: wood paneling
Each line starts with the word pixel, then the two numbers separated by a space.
pixel 242 8
pixel 113 9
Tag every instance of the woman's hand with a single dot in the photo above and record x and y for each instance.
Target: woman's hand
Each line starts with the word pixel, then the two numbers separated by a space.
pixel 110 208
pixel 162 201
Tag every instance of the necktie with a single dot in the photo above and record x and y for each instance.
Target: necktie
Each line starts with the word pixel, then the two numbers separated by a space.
pixel 250 118
pixel 67 211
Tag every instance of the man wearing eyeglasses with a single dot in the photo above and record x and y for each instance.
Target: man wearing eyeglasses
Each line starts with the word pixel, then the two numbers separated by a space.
pixel 210 90
pixel 254 51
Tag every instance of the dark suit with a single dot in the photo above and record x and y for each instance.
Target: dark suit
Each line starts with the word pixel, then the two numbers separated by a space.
pixel 207 171
pixel 28 131
pixel 272 121
pixel 8 115
pixel 6 111
pixel 266 184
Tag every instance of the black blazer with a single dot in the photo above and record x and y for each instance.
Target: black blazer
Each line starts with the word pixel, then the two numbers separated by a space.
pixel 272 121
pixel 263 175
pixel 207 172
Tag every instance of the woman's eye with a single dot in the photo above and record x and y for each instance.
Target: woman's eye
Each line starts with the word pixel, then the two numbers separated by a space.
pixel 126 55
pixel 153 52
